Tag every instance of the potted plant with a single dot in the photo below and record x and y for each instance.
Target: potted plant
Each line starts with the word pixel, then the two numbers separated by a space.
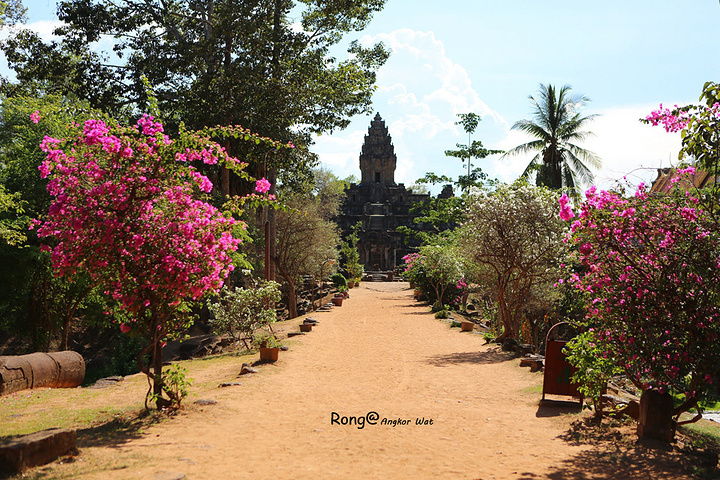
pixel 269 346
pixel 467 326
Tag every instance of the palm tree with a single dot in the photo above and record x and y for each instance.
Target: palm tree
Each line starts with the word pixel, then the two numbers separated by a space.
pixel 557 125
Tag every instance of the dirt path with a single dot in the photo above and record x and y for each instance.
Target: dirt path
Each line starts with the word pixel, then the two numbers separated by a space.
pixel 380 352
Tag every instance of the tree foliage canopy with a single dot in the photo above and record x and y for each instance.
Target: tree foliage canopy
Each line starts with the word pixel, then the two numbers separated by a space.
pixel 515 235
pixel 557 126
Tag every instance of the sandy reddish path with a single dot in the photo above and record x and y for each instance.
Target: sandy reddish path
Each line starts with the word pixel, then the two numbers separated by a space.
pixel 380 352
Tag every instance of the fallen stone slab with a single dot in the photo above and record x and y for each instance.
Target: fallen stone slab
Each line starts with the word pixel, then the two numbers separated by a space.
pixel 35 449
pixel 619 406
pixel 247 369
pixel 107 382
pixel 535 362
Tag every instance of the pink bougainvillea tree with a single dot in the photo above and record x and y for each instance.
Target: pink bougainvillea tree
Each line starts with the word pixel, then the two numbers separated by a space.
pixel 651 276
pixel 130 210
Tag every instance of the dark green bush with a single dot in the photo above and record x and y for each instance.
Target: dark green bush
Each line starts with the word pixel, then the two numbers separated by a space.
pixel 338 280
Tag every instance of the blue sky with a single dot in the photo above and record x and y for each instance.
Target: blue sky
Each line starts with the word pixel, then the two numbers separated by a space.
pixel 486 57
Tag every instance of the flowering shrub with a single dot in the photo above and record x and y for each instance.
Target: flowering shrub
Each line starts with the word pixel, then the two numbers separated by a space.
pixel 412 271
pixel 443 269
pixel 672 120
pixel 262 185
pixel 420 272
pixel 241 311
pixel 127 209
pixel 651 274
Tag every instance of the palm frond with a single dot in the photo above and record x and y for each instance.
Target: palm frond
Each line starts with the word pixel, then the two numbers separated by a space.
pixel 535 145
pixel 557 126
pixel 587 157
pixel 532 129
pixel 532 166
pixel 579 170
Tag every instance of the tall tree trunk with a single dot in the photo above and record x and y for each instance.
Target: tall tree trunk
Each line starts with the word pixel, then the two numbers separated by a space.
pixel 292 299
pixel 272 228
pixel 160 402
pixel 224 181
pixel 505 316
pixel 65 334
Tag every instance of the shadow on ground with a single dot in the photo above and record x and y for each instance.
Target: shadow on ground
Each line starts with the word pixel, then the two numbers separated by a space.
pixel 118 431
pixel 615 453
pixel 481 358
pixel 415 305
pixel 631 462
pixel 552 408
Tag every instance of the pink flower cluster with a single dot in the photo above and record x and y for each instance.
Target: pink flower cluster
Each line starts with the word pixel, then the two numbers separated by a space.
pixel 262 185
pixel 126 213
pixel 566 212
pixel 672 122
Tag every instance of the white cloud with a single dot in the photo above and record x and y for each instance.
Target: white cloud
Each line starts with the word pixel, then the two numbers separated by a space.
pixel 341 152
pixel 45 28
pixel 420 91
pixel 631 148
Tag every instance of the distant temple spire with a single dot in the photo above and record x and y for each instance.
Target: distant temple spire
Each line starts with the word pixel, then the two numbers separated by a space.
pixel 377 158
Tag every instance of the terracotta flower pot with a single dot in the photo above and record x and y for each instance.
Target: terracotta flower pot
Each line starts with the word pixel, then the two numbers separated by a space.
pixel 467 326
pixel 268 354
pixel 305 327
pixel 337 301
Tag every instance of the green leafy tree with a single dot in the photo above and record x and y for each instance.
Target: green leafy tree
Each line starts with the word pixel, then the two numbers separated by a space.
pixel 215 63
pixel 33 301
pixel 557 126
pixel 350 253
pixel 12 221
pixel 12 12
pixel 306 240
pixel 439 215
pixel 473 149
pixel 595 367
pixel 515 239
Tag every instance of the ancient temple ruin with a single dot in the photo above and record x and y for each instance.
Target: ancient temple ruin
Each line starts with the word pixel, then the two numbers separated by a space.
pixel 379 203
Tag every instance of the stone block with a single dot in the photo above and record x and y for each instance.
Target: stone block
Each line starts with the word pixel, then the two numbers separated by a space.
pixel 35 449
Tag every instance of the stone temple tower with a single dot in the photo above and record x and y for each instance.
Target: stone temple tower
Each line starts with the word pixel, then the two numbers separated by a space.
pixel 377 158
pixel 379 204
